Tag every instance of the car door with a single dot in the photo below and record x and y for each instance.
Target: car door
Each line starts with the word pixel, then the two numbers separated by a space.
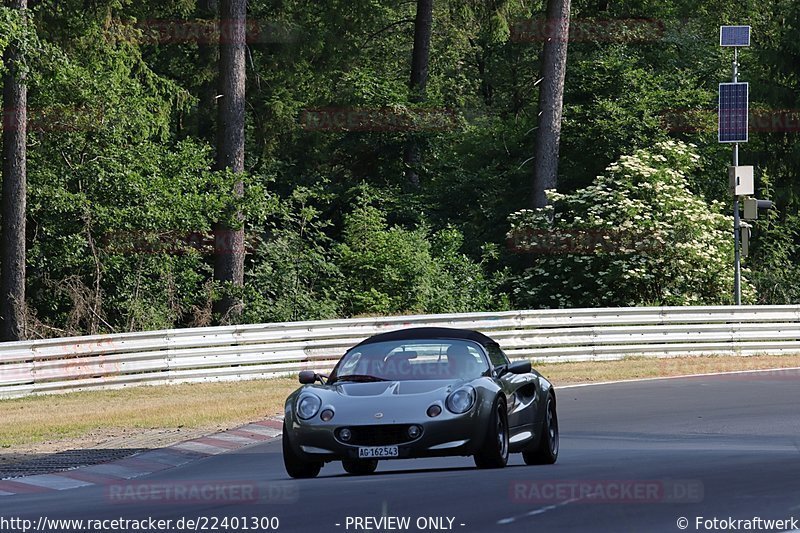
pixel 520 391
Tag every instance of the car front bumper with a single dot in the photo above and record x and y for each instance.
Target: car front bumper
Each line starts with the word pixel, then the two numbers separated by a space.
pixel 446 435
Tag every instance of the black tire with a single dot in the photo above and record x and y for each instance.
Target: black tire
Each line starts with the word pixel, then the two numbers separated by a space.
pixel 360 467
pixel 494 452
pixel 295 465
pixel 546 453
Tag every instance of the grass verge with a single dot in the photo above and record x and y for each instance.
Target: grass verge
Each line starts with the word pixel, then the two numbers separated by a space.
pixel 111 414
pixel 159 416
pixel 648 367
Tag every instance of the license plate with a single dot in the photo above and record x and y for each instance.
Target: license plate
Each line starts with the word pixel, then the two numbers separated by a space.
pixel 378 452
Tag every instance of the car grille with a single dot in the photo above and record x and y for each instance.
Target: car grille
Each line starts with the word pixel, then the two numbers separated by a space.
pixel 382 435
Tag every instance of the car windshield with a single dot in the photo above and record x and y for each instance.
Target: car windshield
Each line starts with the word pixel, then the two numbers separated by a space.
pixel 416 359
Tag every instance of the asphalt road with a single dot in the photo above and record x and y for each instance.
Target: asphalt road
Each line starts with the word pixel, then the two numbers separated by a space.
pixel 634 457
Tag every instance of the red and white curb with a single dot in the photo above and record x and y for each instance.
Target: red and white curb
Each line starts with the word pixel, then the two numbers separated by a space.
pixel 148 462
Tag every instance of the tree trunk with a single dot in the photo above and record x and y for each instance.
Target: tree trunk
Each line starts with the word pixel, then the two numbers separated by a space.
pixel 12 241
pixel 228 240
pixel 420 59
pixel 551 100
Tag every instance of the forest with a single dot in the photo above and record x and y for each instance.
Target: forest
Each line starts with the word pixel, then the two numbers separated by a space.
pixel 367 190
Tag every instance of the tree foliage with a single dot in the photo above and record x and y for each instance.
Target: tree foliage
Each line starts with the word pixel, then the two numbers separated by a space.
pixel 122 193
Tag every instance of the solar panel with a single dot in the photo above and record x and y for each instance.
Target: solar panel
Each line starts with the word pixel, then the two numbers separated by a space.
pixel 734 36
pixel 733 108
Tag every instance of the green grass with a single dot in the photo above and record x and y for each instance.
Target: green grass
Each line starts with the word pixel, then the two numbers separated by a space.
pixel 209 406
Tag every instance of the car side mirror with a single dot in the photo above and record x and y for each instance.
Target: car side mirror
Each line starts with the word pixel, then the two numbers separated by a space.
pixel 520 367
pixel 308 377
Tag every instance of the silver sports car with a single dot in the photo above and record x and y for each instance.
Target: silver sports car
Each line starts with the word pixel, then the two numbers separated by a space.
pixel 420 392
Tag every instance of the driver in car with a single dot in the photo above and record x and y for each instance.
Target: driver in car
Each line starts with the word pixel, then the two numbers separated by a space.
pixel 461 362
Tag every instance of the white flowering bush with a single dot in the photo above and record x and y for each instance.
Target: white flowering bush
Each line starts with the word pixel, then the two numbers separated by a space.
pixel 636 236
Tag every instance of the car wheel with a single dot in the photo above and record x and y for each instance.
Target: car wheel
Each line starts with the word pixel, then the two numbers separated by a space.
pixel 547 451
pixel 494 452
pixel 295 465
pixel 360 467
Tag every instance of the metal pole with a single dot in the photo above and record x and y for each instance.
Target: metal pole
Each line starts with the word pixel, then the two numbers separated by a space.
pixel 737 273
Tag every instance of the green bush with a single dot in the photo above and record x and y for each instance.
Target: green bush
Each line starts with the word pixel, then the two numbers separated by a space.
pixel 292 272
pixel 392 270
pixel 636 236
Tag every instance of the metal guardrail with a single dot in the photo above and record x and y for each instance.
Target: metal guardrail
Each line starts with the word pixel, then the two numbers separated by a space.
pixel 270 350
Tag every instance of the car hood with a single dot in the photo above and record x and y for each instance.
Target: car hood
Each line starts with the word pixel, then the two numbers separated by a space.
pixel 385 402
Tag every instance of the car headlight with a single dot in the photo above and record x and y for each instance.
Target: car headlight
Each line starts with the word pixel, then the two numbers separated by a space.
pixel 308 406
pixel 461 400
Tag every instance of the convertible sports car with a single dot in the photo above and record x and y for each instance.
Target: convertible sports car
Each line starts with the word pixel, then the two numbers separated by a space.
pixel 420 392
